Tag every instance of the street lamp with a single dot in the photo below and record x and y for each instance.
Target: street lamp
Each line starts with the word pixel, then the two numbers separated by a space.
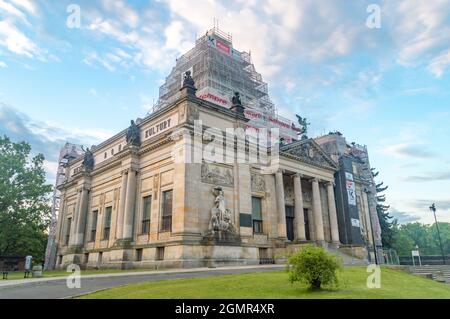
pixel 433 209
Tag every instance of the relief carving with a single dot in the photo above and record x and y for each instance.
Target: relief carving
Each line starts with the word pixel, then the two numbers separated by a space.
pixel 308 152
pixel 258 183
pixel 213 174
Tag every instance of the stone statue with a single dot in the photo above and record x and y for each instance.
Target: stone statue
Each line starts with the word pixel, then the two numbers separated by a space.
pixel 88 160
pixel 236 99
pixel 133 136
pixel 220 216
pixel 303 122
pixel 236 104
pixel 188 80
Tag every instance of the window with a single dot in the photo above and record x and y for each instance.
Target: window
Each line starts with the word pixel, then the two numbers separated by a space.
pixel 159 253
pixel 94 225
pixel 68 225
pixel 107 227
pixel 106 154
pixel 120 147
pixel 147 210
pixel 112 151
pixel 166 224
pixel 86 258
pixel 257 215
pixel 139 254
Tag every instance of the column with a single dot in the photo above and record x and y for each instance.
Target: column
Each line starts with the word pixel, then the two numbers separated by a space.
pixel 333 214
pixel 280 204
pixel 81 217
pixel 73 226
pixel 299 217
pixel 130 201
pixel 317 207
pixel 121 211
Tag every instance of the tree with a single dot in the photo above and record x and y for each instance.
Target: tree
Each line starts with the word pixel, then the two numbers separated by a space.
pixel 314 266
pixel 408 236
pixel 24 201
pixel 387 223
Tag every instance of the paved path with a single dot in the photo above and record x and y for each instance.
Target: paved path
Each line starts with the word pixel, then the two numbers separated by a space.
pixel 55 287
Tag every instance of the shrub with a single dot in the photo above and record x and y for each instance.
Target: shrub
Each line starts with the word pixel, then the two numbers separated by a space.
pixel 313 266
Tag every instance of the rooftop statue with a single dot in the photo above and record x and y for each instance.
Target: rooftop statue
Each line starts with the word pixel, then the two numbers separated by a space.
pixel 88 160
pixel 188 80
pixel 236 99
pixel 303 122
pixel 133 136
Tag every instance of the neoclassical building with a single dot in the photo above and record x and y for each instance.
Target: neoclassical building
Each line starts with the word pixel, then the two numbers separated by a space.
pixel 143 203
pixel 149 197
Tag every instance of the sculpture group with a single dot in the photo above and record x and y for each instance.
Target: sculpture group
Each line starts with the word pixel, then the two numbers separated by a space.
pixel 221 219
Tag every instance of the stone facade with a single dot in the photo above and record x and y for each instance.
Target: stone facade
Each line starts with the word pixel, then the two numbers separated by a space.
pixel 150 205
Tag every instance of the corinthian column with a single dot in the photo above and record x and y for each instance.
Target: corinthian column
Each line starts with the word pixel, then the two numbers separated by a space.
pixel 333 214
pixel 317 207
pixel 299 217
pixel 129 204
pixel 280 204
pixel 121 211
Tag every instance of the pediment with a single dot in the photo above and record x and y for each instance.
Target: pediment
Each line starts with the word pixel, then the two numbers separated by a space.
pixel 310 152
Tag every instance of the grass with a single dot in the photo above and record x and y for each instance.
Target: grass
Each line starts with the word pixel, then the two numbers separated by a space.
pixel 61 273
pixel 394 284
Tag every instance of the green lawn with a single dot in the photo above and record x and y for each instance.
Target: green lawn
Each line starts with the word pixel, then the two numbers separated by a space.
pixel 394 284
pixel 59 273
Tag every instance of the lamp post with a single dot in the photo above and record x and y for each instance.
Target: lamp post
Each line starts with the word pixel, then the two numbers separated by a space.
pixel 433 209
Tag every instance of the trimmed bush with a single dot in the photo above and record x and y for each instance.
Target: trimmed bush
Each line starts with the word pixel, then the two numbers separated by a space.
pixel 313 266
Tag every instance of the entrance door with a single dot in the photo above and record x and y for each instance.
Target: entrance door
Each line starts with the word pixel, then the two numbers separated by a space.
pixel 305 214
pixel 290 222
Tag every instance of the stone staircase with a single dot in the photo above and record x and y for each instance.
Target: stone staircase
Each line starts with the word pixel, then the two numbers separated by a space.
pixel 349 258
pixel 440 273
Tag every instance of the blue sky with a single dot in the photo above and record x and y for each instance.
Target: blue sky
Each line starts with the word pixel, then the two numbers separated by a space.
pixel 387 88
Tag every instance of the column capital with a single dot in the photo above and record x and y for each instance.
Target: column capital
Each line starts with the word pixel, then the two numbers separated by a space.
pixel 299 175
pixel 330 183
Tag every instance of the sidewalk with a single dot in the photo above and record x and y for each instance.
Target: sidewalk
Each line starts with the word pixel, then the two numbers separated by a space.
pixel 31 281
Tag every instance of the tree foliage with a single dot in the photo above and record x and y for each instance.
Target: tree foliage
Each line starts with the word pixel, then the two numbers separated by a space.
pixel 387 223
pixel 314 266
pixel 24 200
pixel 408 236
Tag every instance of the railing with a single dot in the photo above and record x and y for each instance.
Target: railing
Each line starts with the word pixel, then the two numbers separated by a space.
pixel 266 261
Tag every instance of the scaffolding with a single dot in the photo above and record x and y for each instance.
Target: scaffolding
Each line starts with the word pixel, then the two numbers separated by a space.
pixel 68 153
pixel 216 65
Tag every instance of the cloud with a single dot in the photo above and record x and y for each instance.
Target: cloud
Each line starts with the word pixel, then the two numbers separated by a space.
pixel 17 42
pixel 430 177
pixel 424 204
pixel 43 137
pixel 402 217
pixel 408 150
pixel 440 63
pixel 419 29
pixel 3 65
pixel 28 5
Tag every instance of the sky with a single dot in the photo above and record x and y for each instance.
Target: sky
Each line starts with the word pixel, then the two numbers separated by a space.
pixel 386 87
